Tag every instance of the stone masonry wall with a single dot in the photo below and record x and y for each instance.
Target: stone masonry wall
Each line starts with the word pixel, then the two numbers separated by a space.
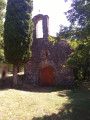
pixel 45 54
pixel 56 58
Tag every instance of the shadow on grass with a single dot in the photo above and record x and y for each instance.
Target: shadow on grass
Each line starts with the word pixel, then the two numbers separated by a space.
pixel 23 86
pixel 77 109
pixel 6 84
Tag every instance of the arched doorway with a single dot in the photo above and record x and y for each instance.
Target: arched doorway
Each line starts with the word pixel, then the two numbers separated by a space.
pixel 47 76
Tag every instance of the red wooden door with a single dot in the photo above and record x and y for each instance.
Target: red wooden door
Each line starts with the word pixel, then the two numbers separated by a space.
pixel 47 76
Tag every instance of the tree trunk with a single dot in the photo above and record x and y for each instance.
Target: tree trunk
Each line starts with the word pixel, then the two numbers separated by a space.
pixel 15 68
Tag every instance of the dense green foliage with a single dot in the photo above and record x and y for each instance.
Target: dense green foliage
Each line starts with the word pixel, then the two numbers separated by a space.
pixel 18 31
pixel 2 7
pixel 79 33
pixel 2 14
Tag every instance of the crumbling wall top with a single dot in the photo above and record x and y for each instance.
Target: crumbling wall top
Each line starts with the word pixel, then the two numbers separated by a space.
pixel 45 21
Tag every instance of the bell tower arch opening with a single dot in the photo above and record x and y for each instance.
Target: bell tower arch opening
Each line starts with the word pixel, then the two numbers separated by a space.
pixel 41 21
pixel 40 29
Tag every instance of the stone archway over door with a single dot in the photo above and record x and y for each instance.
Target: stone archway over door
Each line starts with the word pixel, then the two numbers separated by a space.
pixel 47 76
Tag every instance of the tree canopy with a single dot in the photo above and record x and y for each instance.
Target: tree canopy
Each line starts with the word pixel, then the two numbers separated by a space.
pixel 2 14
pixel 18 31
pixel 78 33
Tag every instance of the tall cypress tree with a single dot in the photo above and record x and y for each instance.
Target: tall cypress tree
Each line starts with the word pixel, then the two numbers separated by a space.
pixel 2 14
pixel 18 33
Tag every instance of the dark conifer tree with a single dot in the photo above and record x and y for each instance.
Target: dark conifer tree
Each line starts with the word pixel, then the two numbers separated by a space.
pixel 18 33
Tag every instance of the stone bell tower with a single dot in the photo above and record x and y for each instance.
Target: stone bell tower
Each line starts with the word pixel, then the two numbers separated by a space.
pixel 45 21
pixel 45 67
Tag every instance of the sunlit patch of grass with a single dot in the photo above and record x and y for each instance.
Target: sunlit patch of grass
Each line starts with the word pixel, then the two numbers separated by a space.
pixel 21 105
pixel 10 74
pixel 44 103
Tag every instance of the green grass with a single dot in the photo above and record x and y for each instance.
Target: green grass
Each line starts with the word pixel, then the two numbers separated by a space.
pixel 44 103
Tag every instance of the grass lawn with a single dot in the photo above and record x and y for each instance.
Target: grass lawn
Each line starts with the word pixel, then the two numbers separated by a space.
pixel 45 103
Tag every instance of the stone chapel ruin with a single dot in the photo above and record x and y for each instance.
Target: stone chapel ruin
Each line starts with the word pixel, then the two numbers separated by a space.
pixel 45 67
